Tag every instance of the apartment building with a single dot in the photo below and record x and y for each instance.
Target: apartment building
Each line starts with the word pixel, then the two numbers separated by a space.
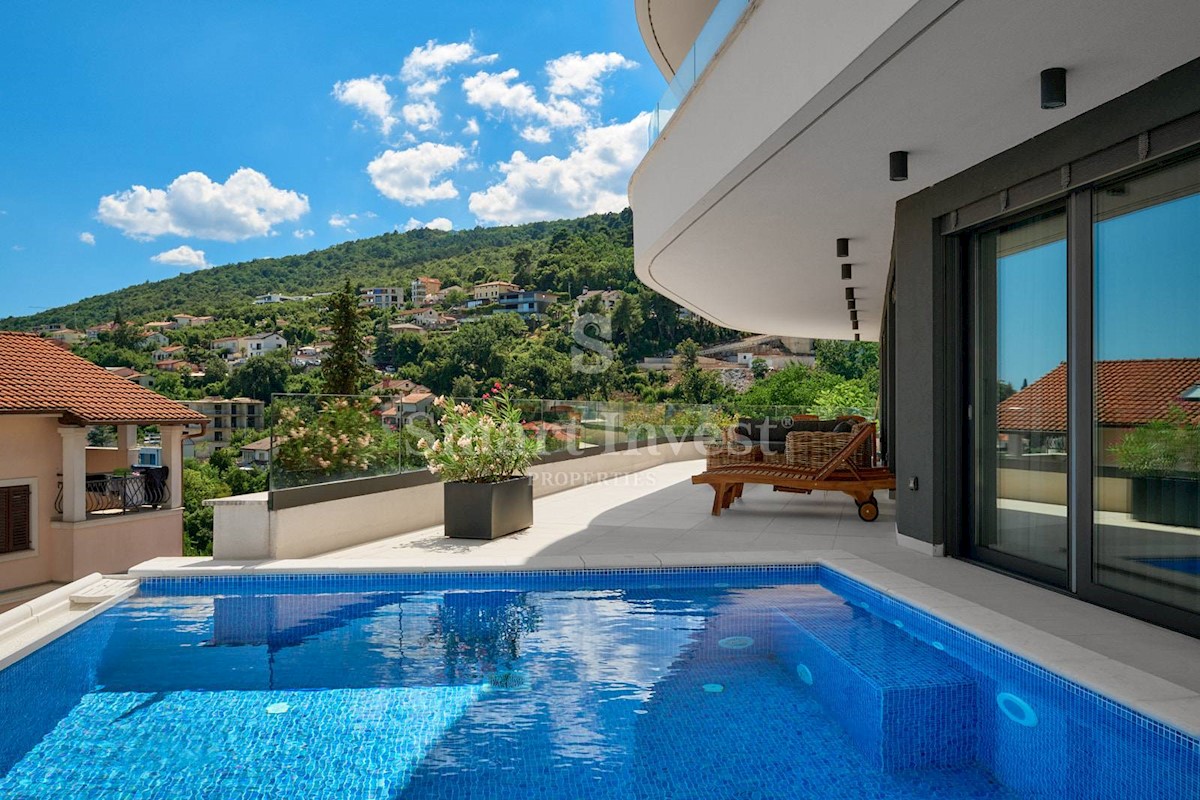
pixel 529 304
pixel 381 297
pixel 491 291
pixel 1005 198
pixel 421 289
pixel 226 416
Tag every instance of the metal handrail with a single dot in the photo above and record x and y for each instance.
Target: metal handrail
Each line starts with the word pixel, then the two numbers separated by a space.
pixel 123 493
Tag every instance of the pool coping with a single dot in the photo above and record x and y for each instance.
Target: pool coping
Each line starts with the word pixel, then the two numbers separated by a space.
pixel 1170 704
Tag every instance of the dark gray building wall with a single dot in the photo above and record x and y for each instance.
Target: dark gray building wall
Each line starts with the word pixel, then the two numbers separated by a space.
pixel 930 336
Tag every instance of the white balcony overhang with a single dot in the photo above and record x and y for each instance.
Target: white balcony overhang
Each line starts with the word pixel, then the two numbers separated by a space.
pixel 738 204
pixel 669 28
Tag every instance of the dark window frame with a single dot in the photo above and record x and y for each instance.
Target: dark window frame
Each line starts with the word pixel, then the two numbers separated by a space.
pixel 959 245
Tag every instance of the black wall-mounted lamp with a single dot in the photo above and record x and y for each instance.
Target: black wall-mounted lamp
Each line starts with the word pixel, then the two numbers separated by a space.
pixel 845 272
pixel 1054 87
pixel 857 338
pixel 898 165
pixel 843 248
pixel 849 292
pixel 853 316
pixel 854 324
pixel 850 304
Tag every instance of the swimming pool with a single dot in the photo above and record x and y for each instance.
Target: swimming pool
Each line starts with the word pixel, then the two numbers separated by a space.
pixel 690 683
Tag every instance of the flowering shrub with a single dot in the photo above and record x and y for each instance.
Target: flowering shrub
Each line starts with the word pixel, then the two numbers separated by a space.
pixel 340 438
pixel 485 444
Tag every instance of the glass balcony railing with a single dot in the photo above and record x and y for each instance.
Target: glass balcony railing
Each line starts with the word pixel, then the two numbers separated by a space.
pixel 714 33
pixel 319 439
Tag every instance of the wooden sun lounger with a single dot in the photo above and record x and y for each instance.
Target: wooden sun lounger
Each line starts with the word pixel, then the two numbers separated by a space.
pixel 838 474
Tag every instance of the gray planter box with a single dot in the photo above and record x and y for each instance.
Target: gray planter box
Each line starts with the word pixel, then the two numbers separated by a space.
pixel 488 510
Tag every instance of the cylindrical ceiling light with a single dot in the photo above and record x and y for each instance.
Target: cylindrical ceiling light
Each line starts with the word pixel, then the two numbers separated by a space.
pixel 1054 87
pixel 843 248
pixel 849 292
pixel 898 165
pixel 845 272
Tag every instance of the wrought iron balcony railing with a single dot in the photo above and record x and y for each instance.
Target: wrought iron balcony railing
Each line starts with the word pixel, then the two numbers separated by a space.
pixel 123 493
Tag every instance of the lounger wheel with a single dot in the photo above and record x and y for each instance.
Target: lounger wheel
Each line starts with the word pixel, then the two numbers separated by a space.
pixel 868 511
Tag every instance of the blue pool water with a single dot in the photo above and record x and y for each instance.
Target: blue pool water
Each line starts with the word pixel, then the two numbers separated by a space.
pixel 701 684
pixel 1188 564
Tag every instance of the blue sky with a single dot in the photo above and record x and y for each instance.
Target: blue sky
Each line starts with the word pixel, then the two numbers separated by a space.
pixel 1147 288
pixel 138 135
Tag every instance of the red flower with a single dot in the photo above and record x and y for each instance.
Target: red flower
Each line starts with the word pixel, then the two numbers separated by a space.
pixel 486 395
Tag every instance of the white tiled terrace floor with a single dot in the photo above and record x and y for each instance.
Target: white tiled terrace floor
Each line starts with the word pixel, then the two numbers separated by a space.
pixel 657 517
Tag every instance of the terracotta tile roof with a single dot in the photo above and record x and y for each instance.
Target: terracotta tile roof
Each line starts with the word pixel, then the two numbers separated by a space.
pixel 39 377
pixel 1128 393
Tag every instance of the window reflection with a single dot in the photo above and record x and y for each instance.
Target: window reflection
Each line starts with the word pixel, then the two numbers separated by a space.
pixel 1021 425
pixel 1146 419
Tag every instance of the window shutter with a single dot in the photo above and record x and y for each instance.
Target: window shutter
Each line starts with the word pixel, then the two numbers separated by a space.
pixel 15 523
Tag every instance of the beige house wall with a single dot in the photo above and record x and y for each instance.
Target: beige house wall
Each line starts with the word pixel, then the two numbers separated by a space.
pixel 1112 494
pixel 112 544
pixel 31 451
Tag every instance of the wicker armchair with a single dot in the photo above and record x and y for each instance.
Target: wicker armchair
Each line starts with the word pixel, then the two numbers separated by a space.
pixel 722 454
pixel 812 449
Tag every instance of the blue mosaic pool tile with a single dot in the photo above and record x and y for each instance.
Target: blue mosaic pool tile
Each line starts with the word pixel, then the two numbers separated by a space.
pixel 554 685
pixel 904 704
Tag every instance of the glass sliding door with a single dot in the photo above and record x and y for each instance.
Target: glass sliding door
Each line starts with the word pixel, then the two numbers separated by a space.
pixel 1019 398
pixel 1146 415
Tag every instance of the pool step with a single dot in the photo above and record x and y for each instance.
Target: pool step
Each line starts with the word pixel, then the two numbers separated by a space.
pixel 905 704
pixel 103 589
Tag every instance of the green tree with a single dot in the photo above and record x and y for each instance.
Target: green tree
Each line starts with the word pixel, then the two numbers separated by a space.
pixel 169 384
pixel 463 387
pixel 261 376
pixel 689 355
pixel 847 359
pixel 848 397
pixel 796 386
pixel 343 368
pixel 627 319
pixel 760 369
pixel 200 483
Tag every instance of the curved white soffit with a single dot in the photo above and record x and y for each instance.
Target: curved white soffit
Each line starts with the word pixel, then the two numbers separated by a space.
pixel 669 28
pixel 936 88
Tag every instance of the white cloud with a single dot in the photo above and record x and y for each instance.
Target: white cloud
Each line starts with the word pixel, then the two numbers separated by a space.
pixel 303 233
pixel 501 91
pixel 342 220
pixel 424 116
pixel 408 175
pixel 431 60
pixel 370 96
pixel 472 127
pixel 577 74
pixel 592 178
pixel 532 133
pixel 245 206
pixel 17 248
pixel 87 238
pixel 182 256
pixel 437 224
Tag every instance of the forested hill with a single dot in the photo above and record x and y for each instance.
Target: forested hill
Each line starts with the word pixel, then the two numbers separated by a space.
pixel 564 256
